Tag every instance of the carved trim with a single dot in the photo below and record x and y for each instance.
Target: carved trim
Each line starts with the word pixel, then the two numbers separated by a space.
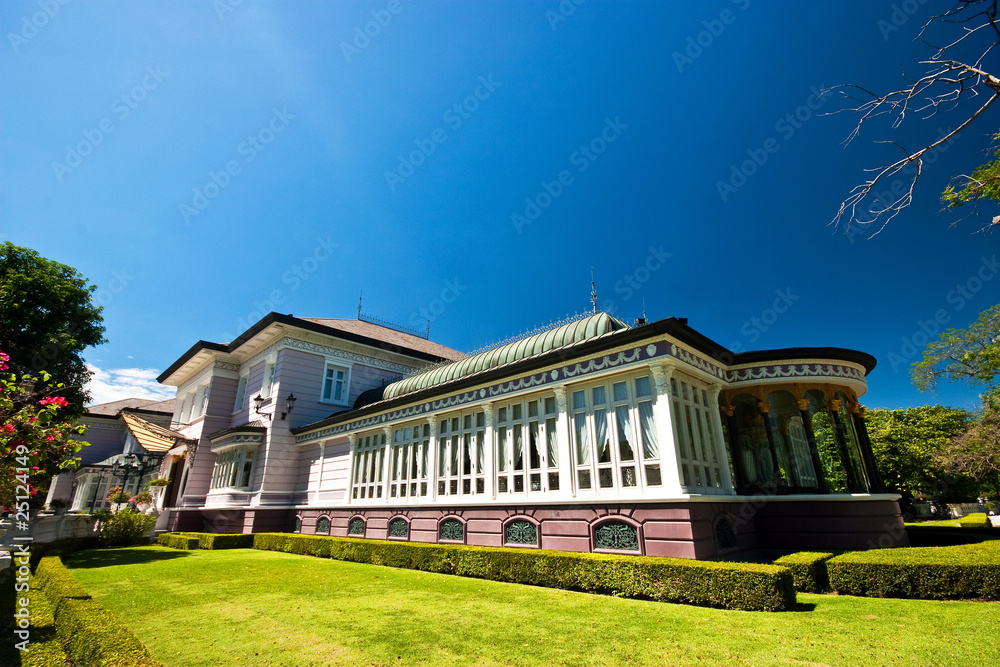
pixel 238 439
pixel 226 366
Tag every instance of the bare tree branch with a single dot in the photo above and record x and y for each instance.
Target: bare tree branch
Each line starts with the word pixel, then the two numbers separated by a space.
pixel 948 82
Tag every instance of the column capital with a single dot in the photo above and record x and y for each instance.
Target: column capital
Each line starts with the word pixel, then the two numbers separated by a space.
pixel 387 430
pixel 488 413
pixel 728 410
pixel 560 393
pixel 661 377
pixel 764 407
pixel 432 422
pixel 834 404
pixel 803 404
pixel 352 438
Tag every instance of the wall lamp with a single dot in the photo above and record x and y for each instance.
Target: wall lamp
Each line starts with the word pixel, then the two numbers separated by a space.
pixel 258 401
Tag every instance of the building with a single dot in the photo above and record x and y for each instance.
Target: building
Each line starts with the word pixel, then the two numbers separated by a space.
pixel 590 436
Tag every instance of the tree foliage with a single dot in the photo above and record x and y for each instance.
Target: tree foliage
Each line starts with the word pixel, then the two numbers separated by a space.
pixel 963 355
pixel 35 436
pixel 984 183
pixel 47 319
pixel 909 445
pixel 956 79
pixel 976 452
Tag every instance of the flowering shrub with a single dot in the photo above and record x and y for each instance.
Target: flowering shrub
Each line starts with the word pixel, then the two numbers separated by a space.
pixel 35 441
pixel 124 528
pixel 141 498
pixel 117 495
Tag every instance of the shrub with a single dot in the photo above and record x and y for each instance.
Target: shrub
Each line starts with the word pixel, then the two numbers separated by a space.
pixel 91 635
pixel 117 495
pixel 808 570
pixel 746 586
pixel 207 540
pixel 142 498
pixel 178 541
pixel 970 571
pixel 124 528
pixel 975 520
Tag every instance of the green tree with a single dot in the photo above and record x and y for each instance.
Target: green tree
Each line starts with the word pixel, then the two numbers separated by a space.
pixel 984 183
pixel 963 355
pixel 976 452
pixel 909 445
pixel 47 319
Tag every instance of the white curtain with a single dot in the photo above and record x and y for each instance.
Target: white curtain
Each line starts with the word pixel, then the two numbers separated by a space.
pixel 649 447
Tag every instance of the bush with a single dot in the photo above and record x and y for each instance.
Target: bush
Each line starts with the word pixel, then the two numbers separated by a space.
pixel 808 570
pixel 91 635
pixel 970 571
pixel 178 541
pixel 975 520
pixel 206 540
pixel 747 586
pixel 124 528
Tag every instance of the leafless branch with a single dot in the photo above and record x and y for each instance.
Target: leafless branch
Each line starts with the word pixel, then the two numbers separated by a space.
pixel 948 82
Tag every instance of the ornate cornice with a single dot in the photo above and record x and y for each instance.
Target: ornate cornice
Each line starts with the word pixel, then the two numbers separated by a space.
pixel 238 439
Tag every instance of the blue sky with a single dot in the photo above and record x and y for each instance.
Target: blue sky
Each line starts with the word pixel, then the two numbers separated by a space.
pixel 205 162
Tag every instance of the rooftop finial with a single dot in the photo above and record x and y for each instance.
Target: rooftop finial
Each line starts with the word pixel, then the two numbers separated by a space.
pixel 593 290
pixel 360 294
pixel 428 336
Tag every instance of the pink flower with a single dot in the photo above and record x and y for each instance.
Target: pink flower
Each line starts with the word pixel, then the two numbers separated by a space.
pixel 9 428
pixel 58 400
pixel 49 438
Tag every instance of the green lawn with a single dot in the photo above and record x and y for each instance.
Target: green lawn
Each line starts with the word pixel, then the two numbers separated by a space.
pixel 248 607
pixel 945 523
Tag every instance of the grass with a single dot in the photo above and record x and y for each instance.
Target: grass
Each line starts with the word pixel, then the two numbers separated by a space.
pixel 247 607
pixel 946 523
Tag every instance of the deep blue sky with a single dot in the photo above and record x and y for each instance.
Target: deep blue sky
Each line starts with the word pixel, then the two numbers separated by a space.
pixel 183 86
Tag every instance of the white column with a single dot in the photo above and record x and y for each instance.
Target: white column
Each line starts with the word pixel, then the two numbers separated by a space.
pixel 564 423
pixel 432 478
pixel 387 463
pixel 352 465
pixel 715 417
pixel 666 429
pixel 322 460
pixel 488 459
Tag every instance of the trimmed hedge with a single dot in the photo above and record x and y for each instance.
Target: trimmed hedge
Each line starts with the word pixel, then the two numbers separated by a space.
pixel 975 520
pixel 189 541
pixel 746 586
pixel 970 571
pixel 808 570
pixel 91 635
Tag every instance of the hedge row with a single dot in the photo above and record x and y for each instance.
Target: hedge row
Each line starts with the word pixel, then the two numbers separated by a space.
pixel 746 586
pixel 970 571
pixel 91 635
pixel 808 570
pixel 191 541
pixel 975 520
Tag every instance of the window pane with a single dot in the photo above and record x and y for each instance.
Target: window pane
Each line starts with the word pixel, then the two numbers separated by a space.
pixel 502 449
pixel 579 400
pixel 552 445
pixel 518 449
pixel 599 398
pixel 621 393
pixel 642 387
pixel 624 446
pixel 582 446
pixel 601 426
pixel 648 430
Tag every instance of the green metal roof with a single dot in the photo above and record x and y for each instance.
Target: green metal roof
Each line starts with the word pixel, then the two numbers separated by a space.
pixel 553 339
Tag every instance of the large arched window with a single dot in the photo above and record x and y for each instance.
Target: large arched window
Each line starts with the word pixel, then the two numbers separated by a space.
pixel 751 444
pixel 791 442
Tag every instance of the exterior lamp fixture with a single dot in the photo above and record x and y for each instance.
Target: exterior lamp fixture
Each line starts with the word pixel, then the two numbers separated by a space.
pixel 258 400
pixel 289 404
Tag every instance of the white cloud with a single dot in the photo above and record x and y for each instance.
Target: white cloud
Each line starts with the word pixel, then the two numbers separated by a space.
pixel 113 385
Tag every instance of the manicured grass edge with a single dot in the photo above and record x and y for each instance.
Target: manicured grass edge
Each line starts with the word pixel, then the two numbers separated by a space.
pixel 744 586
pixel 808 570
pixel 91 635
pixel 966 572
pixel 976 520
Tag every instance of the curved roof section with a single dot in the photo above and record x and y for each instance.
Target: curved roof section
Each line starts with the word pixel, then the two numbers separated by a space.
pixel 568 334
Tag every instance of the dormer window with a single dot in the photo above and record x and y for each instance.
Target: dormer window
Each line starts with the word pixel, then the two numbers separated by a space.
pixel 336 382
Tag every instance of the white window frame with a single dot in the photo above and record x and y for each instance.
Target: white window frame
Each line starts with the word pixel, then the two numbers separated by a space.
pixel 229 470
pixel 241 392
pixel 323 398
pixel 639 468
pixel 698 455
pixel 267 381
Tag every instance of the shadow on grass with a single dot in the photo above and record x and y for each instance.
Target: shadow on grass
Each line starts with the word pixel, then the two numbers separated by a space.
pixel 804 606
pixel 121 556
